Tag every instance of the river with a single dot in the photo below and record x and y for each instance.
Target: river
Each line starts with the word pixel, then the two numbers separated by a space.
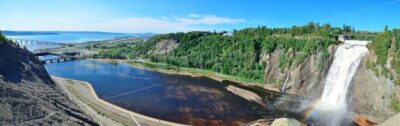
pixel 183 99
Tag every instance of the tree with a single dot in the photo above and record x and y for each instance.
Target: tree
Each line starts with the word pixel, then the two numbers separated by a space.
pixel 381 45
pixel 2 38
pixel 240 54
pixel 386 29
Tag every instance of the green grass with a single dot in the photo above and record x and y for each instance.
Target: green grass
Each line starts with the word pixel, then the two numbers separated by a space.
pixel 395 103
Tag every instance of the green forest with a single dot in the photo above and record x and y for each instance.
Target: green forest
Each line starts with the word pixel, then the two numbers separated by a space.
pixel 240 52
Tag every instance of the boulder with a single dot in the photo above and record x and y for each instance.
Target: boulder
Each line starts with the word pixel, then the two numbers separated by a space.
pixel 392 121
pixel 286 122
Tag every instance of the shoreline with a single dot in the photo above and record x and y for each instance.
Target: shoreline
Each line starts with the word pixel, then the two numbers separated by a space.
pixel 102 111
pixel 193 72
pixel 358 118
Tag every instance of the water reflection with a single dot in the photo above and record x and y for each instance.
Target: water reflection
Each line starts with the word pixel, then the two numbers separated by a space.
pixel 184 99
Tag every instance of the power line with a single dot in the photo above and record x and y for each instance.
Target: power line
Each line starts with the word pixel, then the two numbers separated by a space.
pixel 361 10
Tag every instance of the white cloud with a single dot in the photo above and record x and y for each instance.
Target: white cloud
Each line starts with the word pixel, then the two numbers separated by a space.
pixel 167 24
pixel 195 15
pixel 162 24
pixel 208 20
pixel 165 17
pixel 146 25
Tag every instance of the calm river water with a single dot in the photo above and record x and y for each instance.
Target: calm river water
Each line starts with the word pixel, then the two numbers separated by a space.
pixel 183 99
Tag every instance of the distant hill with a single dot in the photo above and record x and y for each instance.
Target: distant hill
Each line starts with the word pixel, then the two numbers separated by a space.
pixel 19 33
pixel 22 33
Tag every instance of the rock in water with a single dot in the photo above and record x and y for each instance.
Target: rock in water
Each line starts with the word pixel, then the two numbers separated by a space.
pixel 28 96
pixel 248 95
pixel 286 122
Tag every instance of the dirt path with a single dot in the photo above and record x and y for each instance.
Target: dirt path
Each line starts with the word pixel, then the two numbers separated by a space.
pixel 103 112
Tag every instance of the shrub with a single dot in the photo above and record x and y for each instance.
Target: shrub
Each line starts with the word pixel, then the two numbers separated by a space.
pixel 395 102
pixel 381 45
pixel 2 38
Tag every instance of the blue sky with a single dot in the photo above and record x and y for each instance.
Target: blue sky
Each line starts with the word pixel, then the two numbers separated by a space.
pixel 161 16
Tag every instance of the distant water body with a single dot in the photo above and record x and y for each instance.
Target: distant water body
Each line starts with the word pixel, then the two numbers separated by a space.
pixel 72 37
pixel 65 37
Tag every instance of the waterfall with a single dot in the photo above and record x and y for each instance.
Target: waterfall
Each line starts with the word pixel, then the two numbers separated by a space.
pixel 286 80
pixel 332 106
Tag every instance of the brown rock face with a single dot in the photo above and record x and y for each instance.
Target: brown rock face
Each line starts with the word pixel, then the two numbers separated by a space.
pixel 362 121
pixel 28 96
pixel 371 94
pixel 305 79
pixel 164 47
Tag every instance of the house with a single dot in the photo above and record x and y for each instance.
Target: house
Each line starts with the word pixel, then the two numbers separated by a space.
pixel 342 38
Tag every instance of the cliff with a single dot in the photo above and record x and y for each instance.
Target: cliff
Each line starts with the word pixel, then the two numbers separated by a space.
pixel 373 94
pixel 305 79
pixel 284 59
pixel 28 96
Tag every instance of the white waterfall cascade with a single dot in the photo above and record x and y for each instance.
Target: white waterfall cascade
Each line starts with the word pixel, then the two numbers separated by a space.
pixel 346 61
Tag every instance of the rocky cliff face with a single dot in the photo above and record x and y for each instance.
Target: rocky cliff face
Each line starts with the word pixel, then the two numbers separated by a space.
pixel 28 96
pixel 305 79
pixel 372 93
pixel 164 47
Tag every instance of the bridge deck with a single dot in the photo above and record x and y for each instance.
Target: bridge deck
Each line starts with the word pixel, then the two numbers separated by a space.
pixel 61 57
pixel 35 42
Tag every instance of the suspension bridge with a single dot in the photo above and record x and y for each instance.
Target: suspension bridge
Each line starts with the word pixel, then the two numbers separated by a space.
pixel 45 51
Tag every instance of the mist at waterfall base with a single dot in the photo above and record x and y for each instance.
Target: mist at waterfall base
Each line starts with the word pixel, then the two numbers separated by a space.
pixel 331 108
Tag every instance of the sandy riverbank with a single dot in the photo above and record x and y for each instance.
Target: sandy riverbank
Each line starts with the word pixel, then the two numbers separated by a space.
pixel 105 113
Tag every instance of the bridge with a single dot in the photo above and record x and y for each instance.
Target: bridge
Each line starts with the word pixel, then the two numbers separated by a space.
pixel 22 43
pixel 35 42
pixel 60 57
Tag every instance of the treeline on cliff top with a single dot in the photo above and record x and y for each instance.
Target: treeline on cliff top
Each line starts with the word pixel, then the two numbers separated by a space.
pixel 240 53
pixel 386 47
